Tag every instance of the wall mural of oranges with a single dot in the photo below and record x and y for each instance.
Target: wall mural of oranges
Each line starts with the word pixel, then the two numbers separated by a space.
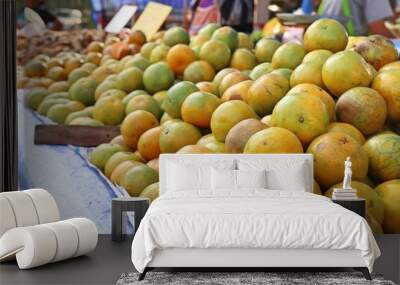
pixel 219 91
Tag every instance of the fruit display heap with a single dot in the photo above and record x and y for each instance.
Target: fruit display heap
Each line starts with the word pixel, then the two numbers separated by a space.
pixel 54 42
pixel 218 92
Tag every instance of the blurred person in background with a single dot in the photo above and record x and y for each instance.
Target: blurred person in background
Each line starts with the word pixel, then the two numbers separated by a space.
pixel 39 7
pixel 360 17
pixel 235 13
pixel 202 12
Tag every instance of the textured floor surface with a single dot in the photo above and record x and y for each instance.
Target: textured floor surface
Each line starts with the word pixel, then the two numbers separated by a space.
pixel 111 259
pixel 254 278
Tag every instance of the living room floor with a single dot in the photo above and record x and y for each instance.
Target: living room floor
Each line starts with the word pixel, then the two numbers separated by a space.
pixel 103 266
pixel 110 259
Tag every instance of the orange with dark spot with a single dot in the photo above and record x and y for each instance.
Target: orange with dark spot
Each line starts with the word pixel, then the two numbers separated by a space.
pixel 329 151
pixel 363 108
pixel 237 91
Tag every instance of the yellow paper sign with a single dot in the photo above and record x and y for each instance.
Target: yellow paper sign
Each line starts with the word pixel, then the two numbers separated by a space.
pixel 152 18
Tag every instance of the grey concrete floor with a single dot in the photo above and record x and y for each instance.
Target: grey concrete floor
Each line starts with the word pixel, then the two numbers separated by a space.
pixel 103 266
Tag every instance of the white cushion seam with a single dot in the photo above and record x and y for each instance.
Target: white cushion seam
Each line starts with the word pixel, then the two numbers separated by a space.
pixel 77 233
pixel 12 208
pixel 34 206
pixel 55 235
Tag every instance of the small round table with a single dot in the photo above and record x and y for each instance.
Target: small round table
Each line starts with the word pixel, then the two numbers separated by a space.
pixel 119 207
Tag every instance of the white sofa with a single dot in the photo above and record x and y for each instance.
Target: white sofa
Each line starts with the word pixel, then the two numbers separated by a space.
pixel 31 231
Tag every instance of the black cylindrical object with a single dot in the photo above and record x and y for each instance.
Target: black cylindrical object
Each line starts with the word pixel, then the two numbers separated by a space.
pixel 8 98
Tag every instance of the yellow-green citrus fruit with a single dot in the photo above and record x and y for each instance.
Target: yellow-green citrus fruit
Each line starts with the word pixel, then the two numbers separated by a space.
pixel 216 53
pixel 59 112
pixel 314 90
pixel 387 84
pixel 109 110
pixel 288 55
pixel 135 124
pixel 198 108
pixel 100 155
pixel 175 97
pixel 199 71
pixel 116 159
pixel 243 59
pixel 265 92
pixel 363 108
pixel 83 91
pixel 85 121
pixel 121 169
pixel 176 135
pixel 304 115
pixel 87 112
pixel 317 56
pixel 273 140
pixel 345 70
pixel 35 97
pixel 157 77
pixel 176 35
pixel 265 49
pixel 59 86
pixel 193 148
pixel 330 150
pixel 144 102
pixel 152 192
pixel 129 79
pixel 227 115
pixel 238 136
pixel 384 156
pixel 227 35
pixel 347 129
pixel 261 69
pixel 389 192
pixel 326 34
pixel 138 178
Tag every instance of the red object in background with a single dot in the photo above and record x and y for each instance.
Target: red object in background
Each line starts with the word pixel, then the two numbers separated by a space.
pixel 102 21
pixel 205 12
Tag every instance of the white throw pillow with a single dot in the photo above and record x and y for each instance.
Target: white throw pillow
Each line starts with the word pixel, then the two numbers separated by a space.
pixel 293 179
pixel 186 174
pixel 223 179
pixel 251 178
pixel 281 175
pixel 181 177
pixel 226 179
